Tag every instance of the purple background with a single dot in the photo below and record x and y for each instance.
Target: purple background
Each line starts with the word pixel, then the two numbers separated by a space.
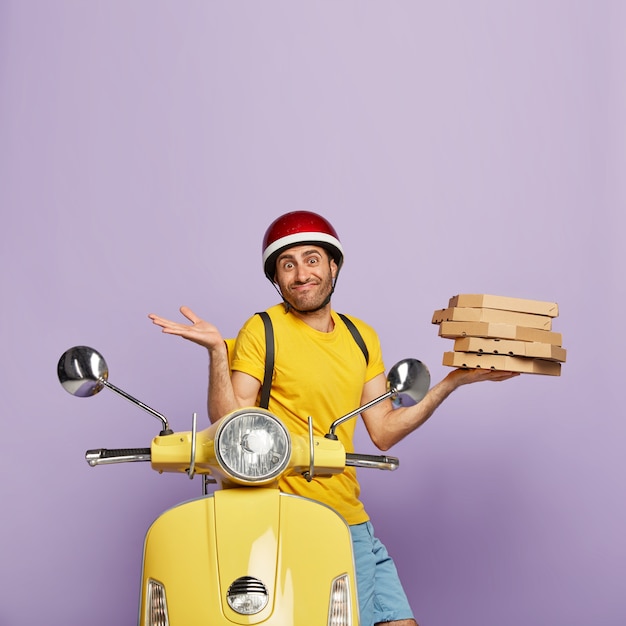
pixel 458 147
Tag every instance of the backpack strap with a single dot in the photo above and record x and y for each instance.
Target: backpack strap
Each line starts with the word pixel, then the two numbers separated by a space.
pixel 354 331
pixel 270 352
pixel 269 360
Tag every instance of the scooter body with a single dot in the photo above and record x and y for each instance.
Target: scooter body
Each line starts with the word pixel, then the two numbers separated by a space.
pixel 293 553
pixel 246 553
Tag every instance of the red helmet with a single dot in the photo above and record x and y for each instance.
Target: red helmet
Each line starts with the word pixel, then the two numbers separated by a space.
pixel 297 228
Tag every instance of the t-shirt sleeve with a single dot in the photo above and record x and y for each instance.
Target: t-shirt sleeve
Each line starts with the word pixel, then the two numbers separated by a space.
pixel 248 353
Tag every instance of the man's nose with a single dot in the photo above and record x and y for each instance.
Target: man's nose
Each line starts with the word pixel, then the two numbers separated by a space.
pixel 302 272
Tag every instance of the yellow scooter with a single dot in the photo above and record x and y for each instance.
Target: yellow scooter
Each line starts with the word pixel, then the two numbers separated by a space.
pixel 246 553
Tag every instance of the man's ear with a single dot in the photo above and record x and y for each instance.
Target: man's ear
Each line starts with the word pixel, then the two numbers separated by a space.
pixel 333 268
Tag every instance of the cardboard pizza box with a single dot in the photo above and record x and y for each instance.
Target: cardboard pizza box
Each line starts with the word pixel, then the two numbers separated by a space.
pixel 468 314
pixel 494 330
pixel 510 347
pixel 502 363
pixel 538 350
pixel 486 301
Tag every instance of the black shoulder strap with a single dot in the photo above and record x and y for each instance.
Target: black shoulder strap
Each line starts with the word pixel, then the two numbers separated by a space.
pixel 270 349
pixel 269 359
pixel 354 331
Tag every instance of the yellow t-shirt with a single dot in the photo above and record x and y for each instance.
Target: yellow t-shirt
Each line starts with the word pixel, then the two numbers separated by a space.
pixel 316 374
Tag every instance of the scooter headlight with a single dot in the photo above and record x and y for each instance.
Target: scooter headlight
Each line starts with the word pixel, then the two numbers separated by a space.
pixel 252 446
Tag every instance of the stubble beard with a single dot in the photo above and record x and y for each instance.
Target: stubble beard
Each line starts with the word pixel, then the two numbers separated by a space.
pixel 308 303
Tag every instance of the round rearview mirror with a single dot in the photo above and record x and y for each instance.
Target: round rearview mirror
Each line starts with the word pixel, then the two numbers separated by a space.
pixel 410 379
pixel 82 371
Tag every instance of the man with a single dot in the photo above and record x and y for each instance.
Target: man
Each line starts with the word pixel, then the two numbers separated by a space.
pixel 320 369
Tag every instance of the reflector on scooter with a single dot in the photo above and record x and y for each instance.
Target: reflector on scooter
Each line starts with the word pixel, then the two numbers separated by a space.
pixel 339 613
pixel 156 605
pixel 253 446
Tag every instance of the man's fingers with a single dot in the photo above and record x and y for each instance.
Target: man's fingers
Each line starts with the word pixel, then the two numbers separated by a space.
pixel 168 326
pixel 501 375
pixel 186 311
pixel 189 314
pixel 159 321
pixel 495 375
pixel 199 331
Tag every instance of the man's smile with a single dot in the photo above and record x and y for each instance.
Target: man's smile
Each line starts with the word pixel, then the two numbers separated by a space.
pixel 304 286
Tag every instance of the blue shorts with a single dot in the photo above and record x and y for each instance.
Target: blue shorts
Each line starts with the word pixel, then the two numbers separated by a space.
pixel 381 596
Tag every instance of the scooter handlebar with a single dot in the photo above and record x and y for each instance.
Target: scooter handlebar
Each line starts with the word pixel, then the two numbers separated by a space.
pixel 374 461
pixel 102 456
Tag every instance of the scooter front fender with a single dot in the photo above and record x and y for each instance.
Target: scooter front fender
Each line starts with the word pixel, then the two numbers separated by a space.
pixel 294 546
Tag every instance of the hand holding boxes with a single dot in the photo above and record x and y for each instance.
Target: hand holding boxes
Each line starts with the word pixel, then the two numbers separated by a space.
pixel 501 333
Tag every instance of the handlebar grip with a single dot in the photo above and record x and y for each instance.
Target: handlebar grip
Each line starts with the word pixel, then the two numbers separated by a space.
pixel 372 460
pixel 103 456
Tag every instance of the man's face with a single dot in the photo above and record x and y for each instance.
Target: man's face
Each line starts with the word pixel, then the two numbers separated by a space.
pixel 305 276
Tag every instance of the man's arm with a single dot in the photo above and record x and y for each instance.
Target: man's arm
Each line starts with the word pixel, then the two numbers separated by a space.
pixel 225 394
pixel 386 425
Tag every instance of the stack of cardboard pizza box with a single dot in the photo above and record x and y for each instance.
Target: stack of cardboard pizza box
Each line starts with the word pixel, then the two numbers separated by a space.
pixel 501 333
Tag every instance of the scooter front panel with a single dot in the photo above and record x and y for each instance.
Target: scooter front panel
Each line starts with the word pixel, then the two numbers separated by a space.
pixel 296 547
pixel 179 553
pixel 315 549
